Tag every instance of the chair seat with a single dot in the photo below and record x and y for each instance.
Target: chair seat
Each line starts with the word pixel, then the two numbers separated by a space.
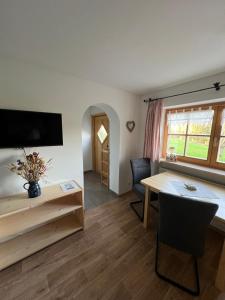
pixel 183 224
pixel 141 168
pixel 139 189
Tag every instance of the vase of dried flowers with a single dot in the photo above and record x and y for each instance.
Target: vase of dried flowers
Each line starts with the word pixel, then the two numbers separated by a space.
pixel 33 189
pixel 32 169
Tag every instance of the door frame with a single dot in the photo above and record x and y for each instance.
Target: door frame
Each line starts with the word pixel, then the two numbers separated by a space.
pixel 93 136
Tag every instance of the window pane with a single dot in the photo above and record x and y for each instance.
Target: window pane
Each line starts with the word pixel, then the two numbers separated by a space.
pixel 200 127
pixel 177 127
pixel 221 152
pixel 197 147
pixel 199 122
pixel 177 142
pixel 223 123
pixel 102 134
pixel 223 128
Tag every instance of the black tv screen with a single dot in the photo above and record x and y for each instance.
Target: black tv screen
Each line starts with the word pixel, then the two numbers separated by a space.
pixel 20 129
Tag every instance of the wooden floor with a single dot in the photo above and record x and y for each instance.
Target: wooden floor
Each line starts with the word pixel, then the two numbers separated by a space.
pixel 112 259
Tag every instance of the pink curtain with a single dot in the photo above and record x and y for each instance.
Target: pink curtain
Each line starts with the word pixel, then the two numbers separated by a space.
pixel 152 130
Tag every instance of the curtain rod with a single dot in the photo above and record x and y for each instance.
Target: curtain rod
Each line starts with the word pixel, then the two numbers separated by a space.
pixel 217 86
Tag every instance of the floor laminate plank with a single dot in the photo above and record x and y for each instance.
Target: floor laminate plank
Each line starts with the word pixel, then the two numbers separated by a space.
pixel 113 258
pixel 117 271
pixel 68 288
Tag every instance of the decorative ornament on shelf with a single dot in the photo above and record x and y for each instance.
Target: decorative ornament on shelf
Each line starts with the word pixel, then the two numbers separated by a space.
pixel 32 169
pixel 190 187
pixel 130 125
pixel 171 154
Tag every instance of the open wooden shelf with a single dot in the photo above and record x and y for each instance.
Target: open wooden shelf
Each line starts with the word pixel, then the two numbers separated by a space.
pixel 28 225
pixel 19 202
pixel 104 174
pixel 105 167
pixel 31 242
pixel 21 222
pixel 105 182
pixel 105 151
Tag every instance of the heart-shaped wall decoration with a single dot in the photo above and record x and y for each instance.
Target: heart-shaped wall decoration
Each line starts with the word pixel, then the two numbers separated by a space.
pixel 130 125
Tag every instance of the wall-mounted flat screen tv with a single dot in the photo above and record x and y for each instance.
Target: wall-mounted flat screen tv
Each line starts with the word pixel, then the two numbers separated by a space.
pixel 20 129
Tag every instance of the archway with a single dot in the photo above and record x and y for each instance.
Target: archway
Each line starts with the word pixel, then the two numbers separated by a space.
pixel 114 142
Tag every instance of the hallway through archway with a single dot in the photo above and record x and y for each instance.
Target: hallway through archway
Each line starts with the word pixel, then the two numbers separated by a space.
pixel 100 145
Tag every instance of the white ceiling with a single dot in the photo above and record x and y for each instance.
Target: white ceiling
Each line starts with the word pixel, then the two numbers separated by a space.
pixel 136 45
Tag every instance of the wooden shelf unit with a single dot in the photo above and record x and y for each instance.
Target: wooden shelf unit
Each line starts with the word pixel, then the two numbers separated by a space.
pixel 29 225
pixel 105 167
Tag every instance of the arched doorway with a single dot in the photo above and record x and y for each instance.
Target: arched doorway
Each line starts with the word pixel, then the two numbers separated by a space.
pixel 100 146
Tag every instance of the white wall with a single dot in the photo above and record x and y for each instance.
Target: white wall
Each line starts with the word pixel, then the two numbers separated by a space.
pixel 29 87
pixel 94 110
pixel 87 140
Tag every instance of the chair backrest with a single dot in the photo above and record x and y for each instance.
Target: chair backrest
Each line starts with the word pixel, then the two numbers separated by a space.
pixel 183 222
pixel 141 169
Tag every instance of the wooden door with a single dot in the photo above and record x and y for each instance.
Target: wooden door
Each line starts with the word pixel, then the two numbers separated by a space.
pixel 100 125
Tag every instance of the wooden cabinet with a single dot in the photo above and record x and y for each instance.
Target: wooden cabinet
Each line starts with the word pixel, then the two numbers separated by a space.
pixel 29 225
pixel 105 167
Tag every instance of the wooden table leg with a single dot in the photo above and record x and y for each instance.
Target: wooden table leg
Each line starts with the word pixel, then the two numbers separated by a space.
pixel 220 277
pixel 147 208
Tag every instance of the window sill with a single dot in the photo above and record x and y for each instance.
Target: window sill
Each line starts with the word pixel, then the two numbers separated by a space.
pixel 210 174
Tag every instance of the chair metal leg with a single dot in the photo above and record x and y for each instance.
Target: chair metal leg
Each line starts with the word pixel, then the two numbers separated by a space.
pixel 132 205
pixel 176 284
pixel 141 217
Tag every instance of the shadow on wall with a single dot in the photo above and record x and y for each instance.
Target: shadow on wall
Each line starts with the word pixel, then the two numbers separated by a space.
pixel 114 143
pixel 5 174
pixel 125 172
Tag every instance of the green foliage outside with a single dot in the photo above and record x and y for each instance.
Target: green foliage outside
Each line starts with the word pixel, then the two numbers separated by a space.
pixel 195 149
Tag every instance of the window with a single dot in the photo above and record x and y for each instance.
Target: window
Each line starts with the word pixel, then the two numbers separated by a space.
pixel 197 134
pixel 102 134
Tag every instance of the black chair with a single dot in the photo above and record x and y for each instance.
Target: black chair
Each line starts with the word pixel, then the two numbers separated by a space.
pixel 141 169
pixel 183 225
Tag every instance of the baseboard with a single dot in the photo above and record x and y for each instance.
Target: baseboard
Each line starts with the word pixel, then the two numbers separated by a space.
pixel 125 194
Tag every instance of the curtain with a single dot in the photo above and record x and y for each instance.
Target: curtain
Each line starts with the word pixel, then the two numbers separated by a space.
pixel 196 115
pixel 178 121
pixel 152 131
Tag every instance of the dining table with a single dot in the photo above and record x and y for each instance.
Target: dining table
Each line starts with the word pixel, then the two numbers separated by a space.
pixel 191 187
